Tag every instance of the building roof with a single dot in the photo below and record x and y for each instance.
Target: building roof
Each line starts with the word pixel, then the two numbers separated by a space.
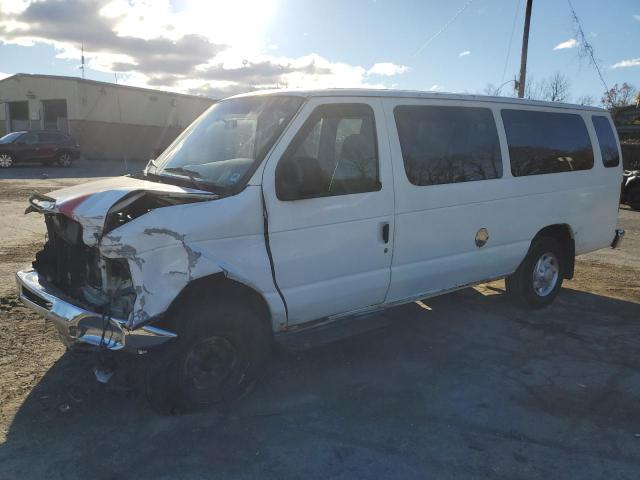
pixel 96 82
pixel 370 92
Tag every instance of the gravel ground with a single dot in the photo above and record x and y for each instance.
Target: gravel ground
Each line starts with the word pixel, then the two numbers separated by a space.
pixel 468 387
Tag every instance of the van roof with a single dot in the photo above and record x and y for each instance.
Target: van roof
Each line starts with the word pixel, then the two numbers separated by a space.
pixel 371 92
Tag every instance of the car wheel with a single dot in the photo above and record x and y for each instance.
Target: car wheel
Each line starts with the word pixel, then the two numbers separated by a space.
pixel 538 279
pixel 215 360
pixel 6 160
pixel 64 160
pixel 633 197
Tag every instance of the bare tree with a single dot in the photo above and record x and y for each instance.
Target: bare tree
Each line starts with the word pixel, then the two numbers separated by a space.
pixel 491 90
pixel 533 90
pixel 619 96
pixel 586 100
pixel 556 88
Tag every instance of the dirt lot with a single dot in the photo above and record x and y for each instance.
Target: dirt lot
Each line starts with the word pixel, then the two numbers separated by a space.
pixel 468 387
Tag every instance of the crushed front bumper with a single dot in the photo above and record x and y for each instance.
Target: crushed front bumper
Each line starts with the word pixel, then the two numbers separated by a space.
pixel 79 326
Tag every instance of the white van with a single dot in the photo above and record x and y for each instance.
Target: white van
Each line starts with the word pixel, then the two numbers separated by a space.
pixel 286 209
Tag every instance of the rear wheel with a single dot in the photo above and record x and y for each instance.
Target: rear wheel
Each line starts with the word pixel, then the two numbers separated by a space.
pixel 633 197
pixel 6 160
pixel 64 160
pixel 220 350
pixel 538 279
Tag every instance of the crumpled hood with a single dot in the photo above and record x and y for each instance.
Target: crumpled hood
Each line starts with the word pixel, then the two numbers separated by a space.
pixel 89 203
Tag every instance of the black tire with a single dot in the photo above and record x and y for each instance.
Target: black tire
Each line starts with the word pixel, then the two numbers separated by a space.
pixel 633 197
pixel 220 351
pixel 522 287
pixel 64 160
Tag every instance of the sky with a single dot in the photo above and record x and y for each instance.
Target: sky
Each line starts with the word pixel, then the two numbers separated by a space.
pixel 219 48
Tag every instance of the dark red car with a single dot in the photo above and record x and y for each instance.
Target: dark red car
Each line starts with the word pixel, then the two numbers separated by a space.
pixel 38 146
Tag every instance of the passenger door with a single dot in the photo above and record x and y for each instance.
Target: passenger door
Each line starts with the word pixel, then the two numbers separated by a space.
pixel 329 196
pixel 448 165
pixel 28 148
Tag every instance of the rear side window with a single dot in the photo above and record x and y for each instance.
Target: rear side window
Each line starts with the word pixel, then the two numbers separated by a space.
pixel 546 142
pixel 448 144
pixel 607 141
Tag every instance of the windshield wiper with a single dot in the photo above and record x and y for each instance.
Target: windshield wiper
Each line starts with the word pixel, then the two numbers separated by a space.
pixel 192 174
pixel 194 178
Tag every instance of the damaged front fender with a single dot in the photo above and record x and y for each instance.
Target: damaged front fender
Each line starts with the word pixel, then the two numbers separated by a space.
pixel 168 248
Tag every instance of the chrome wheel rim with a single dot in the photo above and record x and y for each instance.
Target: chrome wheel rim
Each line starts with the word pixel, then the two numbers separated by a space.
pixel 545 274
pixel 65 160
pixel 5 161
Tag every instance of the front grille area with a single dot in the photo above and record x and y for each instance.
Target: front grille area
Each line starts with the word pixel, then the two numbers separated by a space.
pixel 65 261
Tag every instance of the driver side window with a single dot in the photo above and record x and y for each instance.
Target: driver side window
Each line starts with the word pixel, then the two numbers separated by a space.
pixel 30 138
pixel 335 153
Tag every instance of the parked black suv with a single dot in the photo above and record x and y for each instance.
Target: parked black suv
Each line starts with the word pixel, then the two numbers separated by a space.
pixel 41 146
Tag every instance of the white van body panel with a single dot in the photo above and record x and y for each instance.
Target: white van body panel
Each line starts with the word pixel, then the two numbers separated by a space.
pixel 436 225
pixel 328 252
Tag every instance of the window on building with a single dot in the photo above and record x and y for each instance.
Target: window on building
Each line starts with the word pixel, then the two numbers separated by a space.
pixel 335 153
pixel 448 144
pixel 607 141
pixel 546 142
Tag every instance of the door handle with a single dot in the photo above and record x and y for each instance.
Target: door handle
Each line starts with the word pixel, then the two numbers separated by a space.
pixel 385 232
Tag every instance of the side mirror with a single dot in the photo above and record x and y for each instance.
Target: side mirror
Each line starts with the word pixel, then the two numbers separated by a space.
pixel 298 178
pixel 287 179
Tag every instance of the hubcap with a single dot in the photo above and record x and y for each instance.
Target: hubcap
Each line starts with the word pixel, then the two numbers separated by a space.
pixel 5 161
pixel 545 274
pixel 65 160
pixel 209 363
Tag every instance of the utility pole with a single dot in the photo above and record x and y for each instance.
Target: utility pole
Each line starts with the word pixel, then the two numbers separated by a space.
pixel 525 48
pixel 82 59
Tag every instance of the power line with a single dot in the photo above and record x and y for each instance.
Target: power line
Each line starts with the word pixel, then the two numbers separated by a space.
pixel 513 29
pixel 443 28
pixel 587 48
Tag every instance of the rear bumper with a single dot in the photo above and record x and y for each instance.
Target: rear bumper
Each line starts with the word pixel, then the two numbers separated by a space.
pixel 79 326
pixel 617 239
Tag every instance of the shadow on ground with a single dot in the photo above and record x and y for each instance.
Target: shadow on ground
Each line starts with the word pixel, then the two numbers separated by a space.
pixel 469 387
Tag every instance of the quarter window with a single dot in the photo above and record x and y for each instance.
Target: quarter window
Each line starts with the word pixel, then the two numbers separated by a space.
pixel 448 144
pixel 607 141
pixel 335 153
pixel 546 142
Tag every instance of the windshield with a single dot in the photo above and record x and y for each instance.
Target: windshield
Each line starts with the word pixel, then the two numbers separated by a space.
pixel 221 148
pixel 10 137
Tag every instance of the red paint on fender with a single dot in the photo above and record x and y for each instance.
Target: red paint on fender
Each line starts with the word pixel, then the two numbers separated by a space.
pixel 67 207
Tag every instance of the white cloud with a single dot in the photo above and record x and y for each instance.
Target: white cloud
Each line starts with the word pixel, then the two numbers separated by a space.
pixel 632 62
pixel 465 53
pixel 4 75
pixel 213 47
pixel 637 17
pixel 387 69
pixel 571 43
pixel 435 88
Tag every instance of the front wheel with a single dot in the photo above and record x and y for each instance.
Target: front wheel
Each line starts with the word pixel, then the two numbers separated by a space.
pixel 6 160
pixel 220 350
pixel 538 279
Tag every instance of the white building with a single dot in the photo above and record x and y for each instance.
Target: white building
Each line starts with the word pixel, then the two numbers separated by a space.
pixel 109 121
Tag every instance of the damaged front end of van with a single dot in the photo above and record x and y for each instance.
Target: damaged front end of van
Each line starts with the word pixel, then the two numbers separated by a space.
pixel 103 285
